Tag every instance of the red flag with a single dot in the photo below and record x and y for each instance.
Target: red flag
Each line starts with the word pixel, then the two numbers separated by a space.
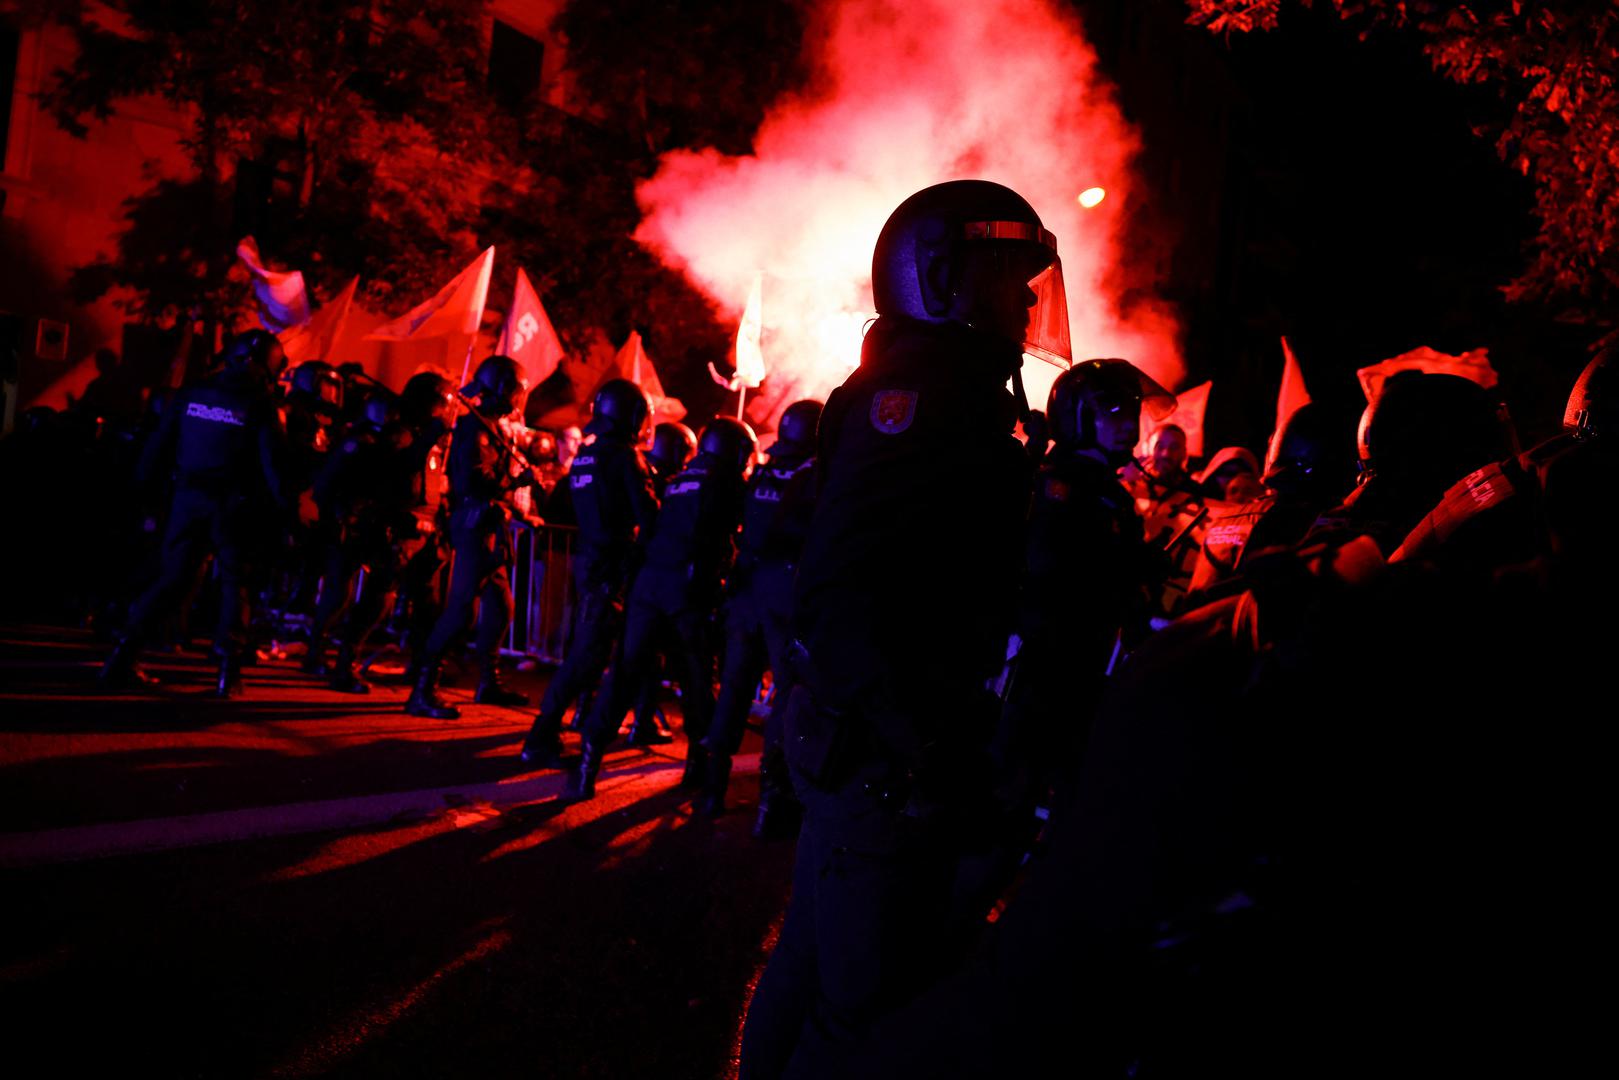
pixel 528 336
pixel 317 338
pixel 1474 365
pixel 634 364
pixel 440 331
pixel 1290 397
pixel 1190 405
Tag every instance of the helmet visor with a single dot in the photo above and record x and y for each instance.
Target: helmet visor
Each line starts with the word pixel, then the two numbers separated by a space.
pixel 1027 260
pixel 1047 337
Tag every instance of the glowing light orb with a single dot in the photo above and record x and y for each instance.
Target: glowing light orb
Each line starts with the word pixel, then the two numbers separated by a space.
pixel 1090 197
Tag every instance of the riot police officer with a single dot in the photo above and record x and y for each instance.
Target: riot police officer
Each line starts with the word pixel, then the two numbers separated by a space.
pixel 673 445
pixel 425 407
pixel 222 439
pixel 613 502
pixel 902 608
pixel 758 609
pixel 684 557
pixel 480 477
pixel 351 491
pixel 1089 569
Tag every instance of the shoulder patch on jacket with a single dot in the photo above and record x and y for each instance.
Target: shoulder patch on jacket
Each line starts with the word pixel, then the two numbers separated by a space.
pixel 893 410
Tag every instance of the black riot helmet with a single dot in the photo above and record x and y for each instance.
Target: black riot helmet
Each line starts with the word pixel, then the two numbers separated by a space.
pixel 1590 410
pixel 318 383
pixel 728 441
pixel 427 394
pixel 1088 391
pixel 1305 460
pixel 795 431
pixel 620 408
pixel 673 444
pixel 381 409
pixel 255 350
pixel 496 385
pixel 974 252
pixel 1424 432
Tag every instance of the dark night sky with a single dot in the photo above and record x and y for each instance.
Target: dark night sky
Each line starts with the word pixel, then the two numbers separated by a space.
pixel 1309 183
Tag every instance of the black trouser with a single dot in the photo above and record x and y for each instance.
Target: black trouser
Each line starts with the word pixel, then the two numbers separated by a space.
pixel 598 584
pixel 661 597
pixel 869 924
pixel 419 589
pixel 200 522
pixel 757 625
pixel 480 547
pixel 373 551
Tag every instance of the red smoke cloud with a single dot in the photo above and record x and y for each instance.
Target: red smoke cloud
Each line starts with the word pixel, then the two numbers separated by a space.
pixel 905 95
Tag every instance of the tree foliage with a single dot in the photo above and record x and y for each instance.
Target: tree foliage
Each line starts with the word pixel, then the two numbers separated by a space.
pixel 1556 64
pixel 353 137
pixel 360 137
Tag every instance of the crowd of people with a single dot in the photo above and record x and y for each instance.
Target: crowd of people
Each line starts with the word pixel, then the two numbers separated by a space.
pixel 1090 758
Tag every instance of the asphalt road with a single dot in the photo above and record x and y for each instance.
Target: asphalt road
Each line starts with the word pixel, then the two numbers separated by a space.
pixel 302 883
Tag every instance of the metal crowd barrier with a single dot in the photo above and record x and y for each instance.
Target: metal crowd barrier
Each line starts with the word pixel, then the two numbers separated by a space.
pixel 542 590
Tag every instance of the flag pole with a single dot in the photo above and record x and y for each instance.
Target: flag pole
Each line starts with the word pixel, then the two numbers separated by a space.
pixel 741 396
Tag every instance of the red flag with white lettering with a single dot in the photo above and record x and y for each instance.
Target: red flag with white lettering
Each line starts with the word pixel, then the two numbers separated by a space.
pixel 528 336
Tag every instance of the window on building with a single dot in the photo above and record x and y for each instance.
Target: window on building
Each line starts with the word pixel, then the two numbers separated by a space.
pixel 10 39
pixel 515 61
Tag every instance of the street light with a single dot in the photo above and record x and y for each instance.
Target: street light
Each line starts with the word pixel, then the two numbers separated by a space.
pixel 1091 196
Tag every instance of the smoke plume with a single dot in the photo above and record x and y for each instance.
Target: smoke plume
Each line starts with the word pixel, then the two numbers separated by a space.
pixel 903 95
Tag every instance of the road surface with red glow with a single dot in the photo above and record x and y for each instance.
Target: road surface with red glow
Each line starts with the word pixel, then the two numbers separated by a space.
pixel 299 883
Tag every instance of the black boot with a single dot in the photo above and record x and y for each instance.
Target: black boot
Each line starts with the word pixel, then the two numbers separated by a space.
pixel 716 778
pixel 644 732
pixel 779 810
pixel 424 699
pixel 345 680
pixel 120 672
pixel 542 747
pixel 491 691
pixel 696 765
pixel 314 661
pixel 582 781
pixel 229 683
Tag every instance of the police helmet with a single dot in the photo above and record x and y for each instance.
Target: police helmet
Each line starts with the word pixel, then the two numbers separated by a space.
pixel 795 431
pixel 728 440
pixel 1591 404
pixel 1428 431
pixel 619 408
pixel 1305 459
pixel 496 384
pixel 974 252
pixel 673 444
pixel 381 408
pixel 319 382
pixel 426 395
pixel 1089 389
pixel 258 349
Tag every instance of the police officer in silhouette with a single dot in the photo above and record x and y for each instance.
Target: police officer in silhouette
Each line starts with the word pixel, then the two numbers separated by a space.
pixel 612 499
pixel 480 476
pixel 222 439
pixel 902 608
